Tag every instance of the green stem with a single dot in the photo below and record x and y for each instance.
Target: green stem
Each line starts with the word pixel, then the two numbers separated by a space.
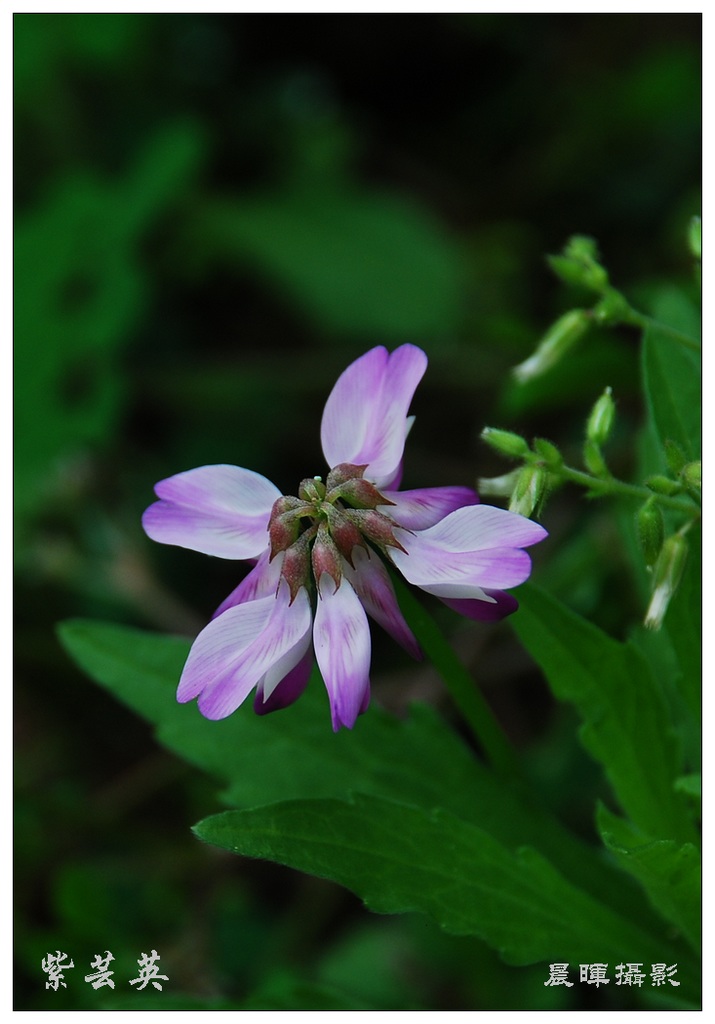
pixel 609 485
pixel 463 688
pixel 643 321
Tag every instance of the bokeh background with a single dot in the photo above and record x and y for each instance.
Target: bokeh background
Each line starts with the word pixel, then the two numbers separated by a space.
pixel 214 215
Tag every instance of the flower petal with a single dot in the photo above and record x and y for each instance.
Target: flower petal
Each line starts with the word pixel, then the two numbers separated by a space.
pixel 288 690
pixel 261 581
pixel 373 586
pixel 477 527
pixel 287 626
pixel 457 573
pixel 498 606
pixel 426 506
pixel 219 510
pixel 341 638
pixel 365 416
pixel 219 645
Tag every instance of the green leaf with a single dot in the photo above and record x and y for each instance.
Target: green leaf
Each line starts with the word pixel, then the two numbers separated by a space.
pixel 399 858
pixel 672 381
pixel 365 264
pixel 419 761
pixel 669 871
pixel 626 726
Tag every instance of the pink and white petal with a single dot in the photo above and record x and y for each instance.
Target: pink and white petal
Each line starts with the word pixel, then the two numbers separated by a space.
pixel 287 625
pixel 477 527
pixel 373 586
pixel 426 506
pixel 497 607
pixel 352 406
pixel 405 369
pixel 219 645
pixel 261 581
pixel 288 690
pixel 218 510
pixel 427 565
pixel 341 639
pixel 365 417
pixel 296 655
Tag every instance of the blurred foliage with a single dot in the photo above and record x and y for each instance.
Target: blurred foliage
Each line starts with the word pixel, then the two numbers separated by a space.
pixel 214 214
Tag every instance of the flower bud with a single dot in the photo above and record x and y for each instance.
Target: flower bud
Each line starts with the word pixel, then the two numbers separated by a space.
pixel 666 577
pixel 600 422
pixel 560 337
pixel 326 557
pixel 549 452
pixel 359 493
pixel 504 442
pixel 284 523
pixel 651 528
pixel 312 489
pixel 579 264
pixel 342 473
pixel 691 476
pixel 663 485
pixel 296 563
pixel 375 526
pixel 345 534
pixel 530 491
pixel 612 309
pixel 593 460
pixel 498 486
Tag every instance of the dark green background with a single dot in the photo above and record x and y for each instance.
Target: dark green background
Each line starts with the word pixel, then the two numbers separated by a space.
pixel 214 215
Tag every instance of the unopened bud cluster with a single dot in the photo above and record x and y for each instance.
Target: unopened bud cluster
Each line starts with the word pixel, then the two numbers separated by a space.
pixel 322 526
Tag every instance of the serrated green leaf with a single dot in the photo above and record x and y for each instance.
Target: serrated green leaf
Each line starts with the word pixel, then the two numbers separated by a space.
pixel 399 858
pixel 626 726
pixel 417 761
pixel 669 871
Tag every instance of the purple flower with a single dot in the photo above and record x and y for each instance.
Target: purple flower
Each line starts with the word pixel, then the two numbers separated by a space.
pixel 318 571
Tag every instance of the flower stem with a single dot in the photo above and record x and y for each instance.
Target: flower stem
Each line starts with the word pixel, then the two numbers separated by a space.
pixel 463 688
pixel 643 321
pixel 609 485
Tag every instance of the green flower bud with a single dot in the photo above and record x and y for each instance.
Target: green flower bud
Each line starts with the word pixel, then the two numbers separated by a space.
pixel 651 528
pixel 612 309
pixel 506 443
pixel 691 476
pixel 549 452
pixel 312 489
pixel 498 486
pixel 560 337
pixel 593 460
pixel 666 577
pixel 663 485
pixel 530 491
pixel 579 264
pixel 695 237
pixel 600 422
